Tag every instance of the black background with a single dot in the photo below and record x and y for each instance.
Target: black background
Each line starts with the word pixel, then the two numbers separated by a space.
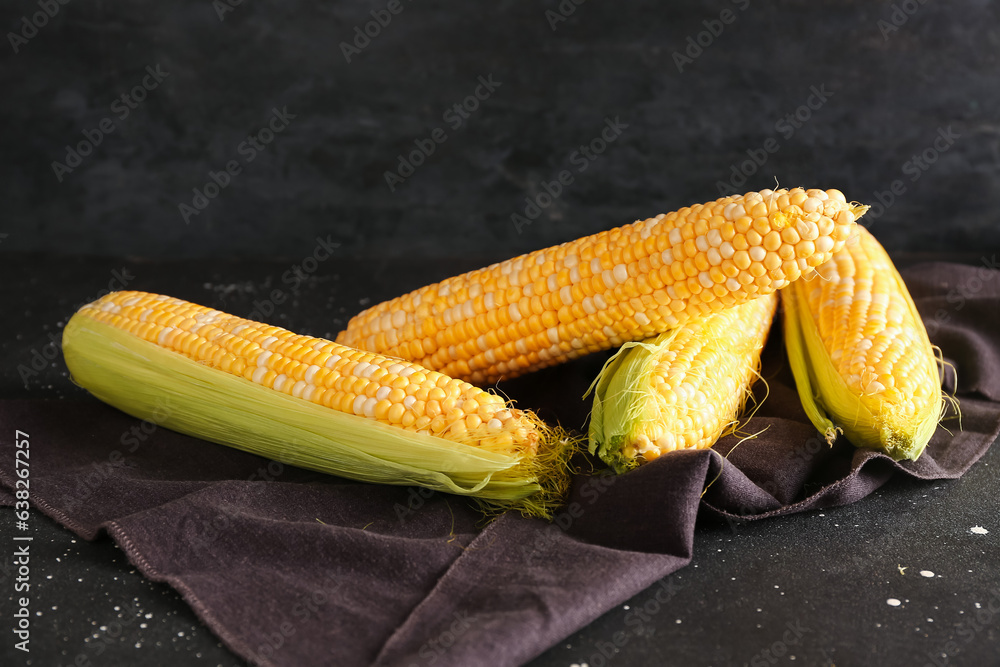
pixel 891 91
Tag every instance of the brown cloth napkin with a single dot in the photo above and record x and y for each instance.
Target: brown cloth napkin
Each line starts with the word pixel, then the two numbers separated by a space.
pixel 290 567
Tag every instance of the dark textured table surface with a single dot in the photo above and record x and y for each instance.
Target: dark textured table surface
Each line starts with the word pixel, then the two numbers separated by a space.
pixel 809 589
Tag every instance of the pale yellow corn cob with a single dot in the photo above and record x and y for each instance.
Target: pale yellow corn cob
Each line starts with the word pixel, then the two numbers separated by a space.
pixel 629 283
pixel 311 401
pixel 391 391
pixel 863 362
pixel 681 390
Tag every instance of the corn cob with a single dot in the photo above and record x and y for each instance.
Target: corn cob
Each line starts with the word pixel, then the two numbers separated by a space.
pixel 681 390
pixel 311 402
pixel 629 283
pixel 862 361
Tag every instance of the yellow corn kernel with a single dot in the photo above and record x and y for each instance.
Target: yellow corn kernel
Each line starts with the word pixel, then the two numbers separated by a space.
pixel 862 361
pixel 605 272
pixel 680 390
pixel 254 386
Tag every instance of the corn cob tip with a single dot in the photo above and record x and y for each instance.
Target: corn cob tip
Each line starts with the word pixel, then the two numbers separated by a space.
pixel 312 402
pixel 861 357
pixel 681 390
pixel 550 469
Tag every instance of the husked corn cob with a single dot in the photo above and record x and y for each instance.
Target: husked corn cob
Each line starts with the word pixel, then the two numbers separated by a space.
pixel 309 401
pixel 861 357
pixel 629 283
pixel 681 390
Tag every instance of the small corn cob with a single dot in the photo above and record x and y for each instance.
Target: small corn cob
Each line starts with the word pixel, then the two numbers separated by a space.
pixel 681 390
pixel 862 361
pixel 629 283
pixel 311 402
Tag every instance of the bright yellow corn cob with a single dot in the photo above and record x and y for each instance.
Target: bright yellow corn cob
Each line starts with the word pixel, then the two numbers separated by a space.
pixel 310 402
pixel 629 283
pixel 681 390
pixel 861 357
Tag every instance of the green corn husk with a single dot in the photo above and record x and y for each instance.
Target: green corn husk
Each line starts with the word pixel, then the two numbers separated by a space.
pixel 153 383
pixel 717 355
pixel 831 405
pixel 619 405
